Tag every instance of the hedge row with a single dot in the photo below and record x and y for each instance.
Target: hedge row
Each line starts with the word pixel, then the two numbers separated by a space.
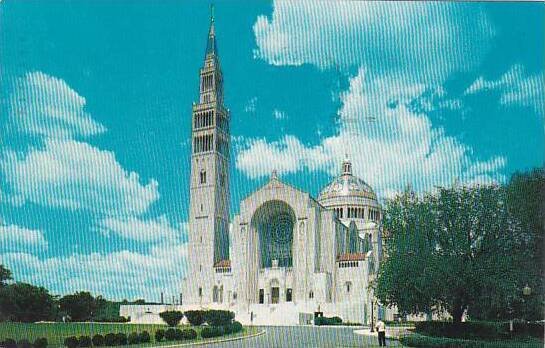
pixel 327 321
pixel 212 317
pixel 110 339
pixel 417 340
pixel 175 335
pixel 485 330
pixel 24 343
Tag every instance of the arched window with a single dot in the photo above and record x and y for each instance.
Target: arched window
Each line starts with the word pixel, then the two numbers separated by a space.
pixel 348 286
pixel 200 292
pixel 311 294
pixel 203 177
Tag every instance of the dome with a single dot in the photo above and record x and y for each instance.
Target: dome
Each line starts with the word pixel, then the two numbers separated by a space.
pixel 347 185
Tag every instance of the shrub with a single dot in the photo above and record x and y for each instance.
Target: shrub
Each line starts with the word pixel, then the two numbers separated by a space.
pixel 172 318
pixel 145 337
pixel 170 334
pixel 40 342
pixel 85 341
pixel 71 342
pixel 159 335
pixel 236 327
pixel 521 328
pixel 486 330
pixel 227 329
pixel 189 334
pixel 212 331
pixel 98 340
pixel 327 321
pixel 417 340
pixel 218 317
pixel 24 343
pixel 195 318
pixel 133 338
pixel 121 339
pixel 9 343
pixel 110 339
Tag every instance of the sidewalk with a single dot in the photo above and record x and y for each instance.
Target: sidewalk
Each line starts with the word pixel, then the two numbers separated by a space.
pixel 392 333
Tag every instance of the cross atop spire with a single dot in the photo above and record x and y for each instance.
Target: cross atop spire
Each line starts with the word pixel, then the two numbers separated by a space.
pixel 211 45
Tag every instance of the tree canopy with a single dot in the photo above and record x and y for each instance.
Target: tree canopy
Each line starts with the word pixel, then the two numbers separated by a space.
pixel 462 248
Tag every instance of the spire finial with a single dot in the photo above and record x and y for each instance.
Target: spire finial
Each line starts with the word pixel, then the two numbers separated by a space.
pixel 212 13
pixel 274 175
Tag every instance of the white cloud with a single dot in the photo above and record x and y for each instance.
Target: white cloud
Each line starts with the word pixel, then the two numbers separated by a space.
pixel 45 105
pixel 153 230
pixel 390 145
pixel 250 106
pixel 118 275
pixel 431 38
pixel 516 88
pixel 72 174
pixel 279 115
pixel 16 238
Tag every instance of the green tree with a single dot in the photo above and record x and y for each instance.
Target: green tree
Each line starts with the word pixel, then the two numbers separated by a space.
pixel 526 203
pixel 26 303
pixel 450 250
pixel 5 275
pixel 80 306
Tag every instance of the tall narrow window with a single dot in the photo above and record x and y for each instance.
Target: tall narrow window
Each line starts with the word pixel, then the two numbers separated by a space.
pixel 203 177
pixel 288 295
pixel 261 296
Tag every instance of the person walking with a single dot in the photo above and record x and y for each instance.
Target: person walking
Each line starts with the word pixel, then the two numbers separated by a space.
pixel 381 329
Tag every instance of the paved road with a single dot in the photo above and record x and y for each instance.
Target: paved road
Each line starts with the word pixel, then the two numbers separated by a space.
pixel 305 337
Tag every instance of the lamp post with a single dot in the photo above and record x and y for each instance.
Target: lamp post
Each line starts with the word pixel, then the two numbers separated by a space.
pixel 526 292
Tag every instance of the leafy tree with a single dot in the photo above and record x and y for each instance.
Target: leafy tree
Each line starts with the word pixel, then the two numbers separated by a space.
pixel 26 303
pixel 172 318
pixel 451 251
pixel 80 306
pixel 526 203
pixel 5 275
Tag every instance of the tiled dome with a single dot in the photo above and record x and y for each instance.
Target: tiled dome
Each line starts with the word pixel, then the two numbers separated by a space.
pixel 347 185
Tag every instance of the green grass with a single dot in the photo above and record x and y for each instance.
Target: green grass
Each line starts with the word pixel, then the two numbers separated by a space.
pixel 57 332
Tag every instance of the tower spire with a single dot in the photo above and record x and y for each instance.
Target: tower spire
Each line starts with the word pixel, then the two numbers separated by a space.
pixel 211 45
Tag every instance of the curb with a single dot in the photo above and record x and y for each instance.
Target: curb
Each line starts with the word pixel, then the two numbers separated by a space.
pixel 192 344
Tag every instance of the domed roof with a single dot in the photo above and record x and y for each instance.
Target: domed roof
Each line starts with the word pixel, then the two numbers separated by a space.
pixel 347 185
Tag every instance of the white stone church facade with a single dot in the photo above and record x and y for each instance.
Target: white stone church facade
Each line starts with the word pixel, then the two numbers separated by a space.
pixel 286 255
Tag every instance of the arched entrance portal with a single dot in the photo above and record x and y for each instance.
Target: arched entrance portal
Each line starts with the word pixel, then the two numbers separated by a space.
pixel 274 222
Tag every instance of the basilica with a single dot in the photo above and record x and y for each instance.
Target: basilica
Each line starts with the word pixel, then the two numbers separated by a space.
pixel 286 256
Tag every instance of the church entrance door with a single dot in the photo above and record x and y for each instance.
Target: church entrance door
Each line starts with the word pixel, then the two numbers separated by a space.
pixel 275 294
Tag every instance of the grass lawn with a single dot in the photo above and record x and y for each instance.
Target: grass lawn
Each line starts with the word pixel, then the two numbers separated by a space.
pixel 57 332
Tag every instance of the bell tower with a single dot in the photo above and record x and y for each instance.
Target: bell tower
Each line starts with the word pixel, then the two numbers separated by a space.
pixel 209 182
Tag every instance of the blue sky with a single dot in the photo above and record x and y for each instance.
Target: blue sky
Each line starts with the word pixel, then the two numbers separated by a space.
pixel 96 101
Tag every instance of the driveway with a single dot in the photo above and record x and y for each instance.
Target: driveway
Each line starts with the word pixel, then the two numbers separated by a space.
pixel 306 337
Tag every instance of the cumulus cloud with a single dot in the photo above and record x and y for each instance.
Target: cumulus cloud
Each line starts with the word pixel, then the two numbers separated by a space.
pixel 153 230
pixel 390 144
pixel 432 38
pixel 118 275
pixel 516 87
pixel 278 114
pixel 46 106
pixel 250 106
pixel 73 174
pixel 17 238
